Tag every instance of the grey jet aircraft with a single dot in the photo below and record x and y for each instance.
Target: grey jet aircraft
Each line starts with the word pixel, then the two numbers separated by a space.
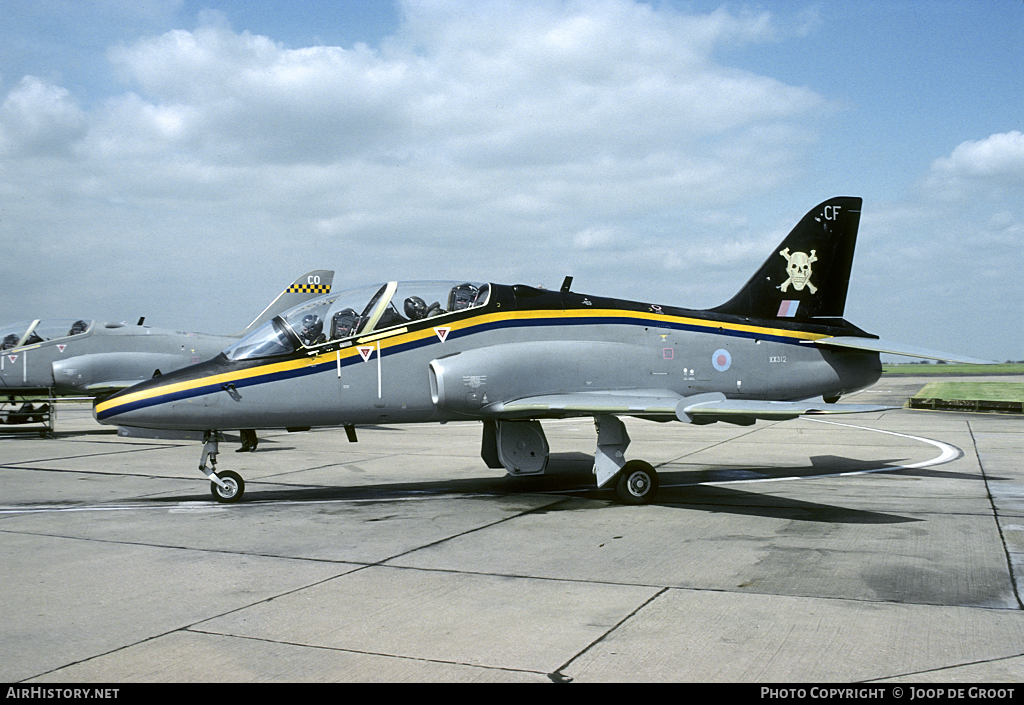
pixel 93 358
pixel 511 356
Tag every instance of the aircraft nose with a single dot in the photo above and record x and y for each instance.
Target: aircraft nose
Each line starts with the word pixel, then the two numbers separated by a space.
pixel 147 404
pixel 115 410
pixel 179 400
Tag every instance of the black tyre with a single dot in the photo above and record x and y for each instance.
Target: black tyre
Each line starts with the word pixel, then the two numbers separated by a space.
pixel 638 482
pixel 235 487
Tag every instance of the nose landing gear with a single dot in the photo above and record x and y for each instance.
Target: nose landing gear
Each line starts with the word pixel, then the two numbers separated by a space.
pixel 227 486
pixel 231 488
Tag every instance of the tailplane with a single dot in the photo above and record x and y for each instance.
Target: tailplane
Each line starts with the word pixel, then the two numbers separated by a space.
pixel 808 274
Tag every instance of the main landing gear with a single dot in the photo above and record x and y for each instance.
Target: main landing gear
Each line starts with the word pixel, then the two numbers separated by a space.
pixel 225 486
pixel 521 448
pixel 636 481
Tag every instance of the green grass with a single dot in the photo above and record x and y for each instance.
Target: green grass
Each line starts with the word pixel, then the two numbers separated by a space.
pixel 1006 368
pixel 973 391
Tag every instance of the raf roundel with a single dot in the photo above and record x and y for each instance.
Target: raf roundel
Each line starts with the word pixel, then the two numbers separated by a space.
pixel 722 360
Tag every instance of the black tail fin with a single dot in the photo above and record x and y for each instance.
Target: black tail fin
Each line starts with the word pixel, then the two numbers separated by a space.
pixel 808 274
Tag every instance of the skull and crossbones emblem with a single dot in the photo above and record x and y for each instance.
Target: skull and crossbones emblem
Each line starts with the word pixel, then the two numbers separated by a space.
pixel 798 266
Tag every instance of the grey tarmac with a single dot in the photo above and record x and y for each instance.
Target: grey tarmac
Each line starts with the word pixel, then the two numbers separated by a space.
pixel 888 548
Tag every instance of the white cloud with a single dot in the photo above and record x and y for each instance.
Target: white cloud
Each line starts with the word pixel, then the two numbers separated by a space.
pixel 39 119
pixel 998 155
pixel 995 163
pixel 479 86
pixel 594 237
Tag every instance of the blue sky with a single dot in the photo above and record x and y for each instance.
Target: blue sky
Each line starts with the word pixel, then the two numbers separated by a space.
pixel 185 160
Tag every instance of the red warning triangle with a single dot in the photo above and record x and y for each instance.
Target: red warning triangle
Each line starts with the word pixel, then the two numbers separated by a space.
pixel 61 347
pixel 365 351
pixel 442 333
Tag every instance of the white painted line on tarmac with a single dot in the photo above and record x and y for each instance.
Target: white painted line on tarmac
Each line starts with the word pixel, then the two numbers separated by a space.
pixel 209 506
pixel 947 454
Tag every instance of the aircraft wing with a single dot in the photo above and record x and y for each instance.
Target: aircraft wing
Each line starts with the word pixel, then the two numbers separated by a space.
pixel 884 346
pixel 665 405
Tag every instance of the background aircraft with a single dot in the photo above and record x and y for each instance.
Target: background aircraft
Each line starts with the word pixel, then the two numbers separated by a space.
pixel 510 356
pixel 92 358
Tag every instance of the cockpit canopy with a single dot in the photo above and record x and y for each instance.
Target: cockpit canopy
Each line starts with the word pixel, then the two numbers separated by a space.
pixel 24 333
pixel 357 312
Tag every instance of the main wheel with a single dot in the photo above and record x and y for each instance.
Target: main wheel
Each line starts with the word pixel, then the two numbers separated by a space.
pixel 638 482
pixel 235 487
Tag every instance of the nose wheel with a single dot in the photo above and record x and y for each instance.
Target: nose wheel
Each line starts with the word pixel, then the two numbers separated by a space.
pixel 233 487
